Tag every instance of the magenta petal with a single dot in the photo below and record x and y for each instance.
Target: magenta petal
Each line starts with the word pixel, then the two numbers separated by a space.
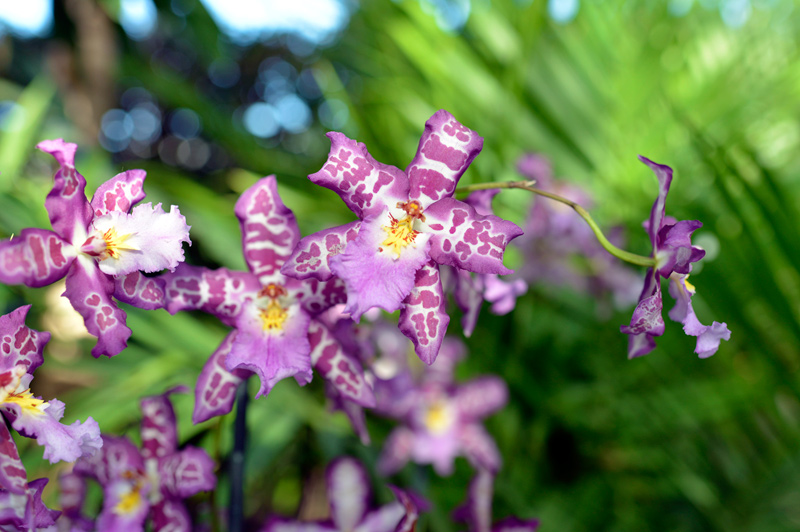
pixel 338 368
pixel 119 193
pixel 221 293
pixel 269 229
pixel 159 427
pixel 132 519
pixel 170 515
pixel 318 296
pixel 281 524
pixel 466 239
pixel 396 451
pixel 675 251
pixel 26 511
pixel 12 473
pixel 664 175
pixel 116 458
pixel 481 200
pixel 19 344
pixel 365 185
pixel 139 291
pixel 215 390
pixel 479 447
pixel 468 293
pixel 503 294
pixel 89 290
pixel 187 473
pixel 423 318
pixel 348 492
pixel 66 203
pixel 514 524
pixel 373 278
pixel 35 258
pixel 445 151
pixel 312 255
pixel 646 321
pixel 481 397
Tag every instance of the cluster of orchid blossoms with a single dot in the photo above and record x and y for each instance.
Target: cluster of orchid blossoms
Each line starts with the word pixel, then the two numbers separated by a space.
pixel 295 309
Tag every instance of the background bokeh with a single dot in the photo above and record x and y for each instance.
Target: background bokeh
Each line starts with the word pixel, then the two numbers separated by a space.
pixel 209 96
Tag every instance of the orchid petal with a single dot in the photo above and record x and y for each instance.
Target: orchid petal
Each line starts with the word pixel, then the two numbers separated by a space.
pixel 27 511
pixel 445 151
pixel 187 473
pixel 12 472
pixel 423 318
pixel 479 447
pixel 481 397
pixel 312 255
pixel 318 296
pixel 19 344
pixel 125 506
pixel 139 291
pixel 675 251
pixel 72 494
pixel 503 294
pixel 35 258
pixel 280 524
pixel 116 458
pixel 384 519
pixel 468 293
pixel 215 391
pixel 348 492
pixel 337 367
pixel 119 193
pixel 396 451
pixel 66 203
pixel 514 524
pixel 664 175
pixel 646 321
pixel 353 411
pixel 477 512
pixel 481 200
pixel 159 427
pixel 170 515
pixel 708 336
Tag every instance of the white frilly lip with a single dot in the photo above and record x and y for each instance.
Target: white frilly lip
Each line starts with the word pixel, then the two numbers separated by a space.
pixel 150 239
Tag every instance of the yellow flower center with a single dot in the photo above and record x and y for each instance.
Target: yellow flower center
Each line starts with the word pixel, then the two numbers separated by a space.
pixel 274 316
pixel 27 402
pixel 132 500
pixel 115 243
pixel 689 285
pixel 437 418
pixel 400 233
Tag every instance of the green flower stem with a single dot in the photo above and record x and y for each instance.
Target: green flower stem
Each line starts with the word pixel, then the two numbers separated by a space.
pixel 621 254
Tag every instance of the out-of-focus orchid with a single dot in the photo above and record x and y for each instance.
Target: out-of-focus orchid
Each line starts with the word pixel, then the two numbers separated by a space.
pixel 25 511
pixel 477 511
pixel 276 335
pixel 101 247
pixel 349 497
pixel 409 224
pixel 153 481
pixel 674 255
pixel 72 493
pixel 442 419
pixel 20 355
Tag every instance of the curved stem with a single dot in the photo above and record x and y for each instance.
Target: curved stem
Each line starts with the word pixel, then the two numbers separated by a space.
pixel 621 254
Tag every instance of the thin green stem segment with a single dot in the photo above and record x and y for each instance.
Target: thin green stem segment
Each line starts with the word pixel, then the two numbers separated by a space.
pixel 621 254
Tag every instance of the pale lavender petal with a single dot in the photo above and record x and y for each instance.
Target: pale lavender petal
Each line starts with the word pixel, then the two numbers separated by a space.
pixel 12 472
pixel 19 344
pixel 142 292
pixel 365 185
pixel 348 492
pixel 312 255
pixel 89 290
pixel 159 429
pixel 479 447
pixel 467 240
pixel 280 524
pixel 503 294
pixel 468 293
pixel 477 511
pixel 445 151
pixel 72 494
pixel 442 371
pixel 35 258
pixel 215 391
pixel 481 397
pixel 221 293
pixel 317 296
pixel 708 336
pixel 514 524
pixel 664 175
pixel 26 511
pixel 396 451
pixel 119 193
pixel 423 317
pixel 378 279
pixel 116 459
pixel 536 167
pixel 187 473
pixel 66 203
pixel 170 515
pixel 337 367
pixel 384 519
pixel 708 341
pixel 272 355
pixel 481 200
pixel 148 239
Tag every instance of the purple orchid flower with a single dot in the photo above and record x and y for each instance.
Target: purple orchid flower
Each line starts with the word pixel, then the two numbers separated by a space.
pixel 674 254
pixel 441 419
pixel 25 511
pixel 20 355
pixel 99 246
pixel 409 224
pixel 276 334
pixel 349 495
pixel 153 481
pixel 477 511
pixel 72 493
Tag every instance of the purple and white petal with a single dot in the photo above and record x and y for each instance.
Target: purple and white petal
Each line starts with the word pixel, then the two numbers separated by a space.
pixel 480 397
pixel 337 367
pixel 317 296
pixel 423 317
pixel 646 321
pixel 19 344
pixel 159 429
pixel 221 293
pixel 116 459
pixel 664 175
pixel 465 239
pixel 675 252
pixel 383 519
pixel 365 185
pixel 187 473
pixel 479 447
pixel 66 203
pixel 445 151
pixel 269 230
pixel 35 258
pixel 148 239
pixel 139 291
pixel 125 506
pixel 312 255
pixel 119 193
pixel 89 290
pixel 215 391
pixel 72 494
pixel 411 504
pixel 12 472
pixel 27 511
pixel 348 492
pixel 477 511
pixel 170 515
pixel 281 524
pixel 396 451
pixel 708 336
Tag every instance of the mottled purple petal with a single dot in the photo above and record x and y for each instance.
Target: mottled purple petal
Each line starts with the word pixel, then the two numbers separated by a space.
pixel 66 203
pixel 348 492
pixel 125 506
pixel 646 321
pixel 159 429
pixel 337 367
pixel 72 494
pixel 170 515
pixel 479 447
pixel 187 473
pixel 664 175
pixel 142 292
pixel 215 391
pixel 312 255
pixel 26 511
pixel 481 397
pixel 19 344
pixel 467 240
pixel 269 230
pixel 221 292
pixel 119 193
pixel 445 151
pixel 116 459
pixel 12 472
pixel 317 296
pixel 396 451
pixel 423 317
pixel 89 290
pixel 35 258
pixel 365 185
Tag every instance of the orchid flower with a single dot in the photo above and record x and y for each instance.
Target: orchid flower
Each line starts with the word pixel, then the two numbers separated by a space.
pixel 99 246
pixel 408 225
pixel 349 499
pixel 477 511
pixel 275 333
pixel 153 481
pixel 20 355
pixel 674 255
pixel 25 511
